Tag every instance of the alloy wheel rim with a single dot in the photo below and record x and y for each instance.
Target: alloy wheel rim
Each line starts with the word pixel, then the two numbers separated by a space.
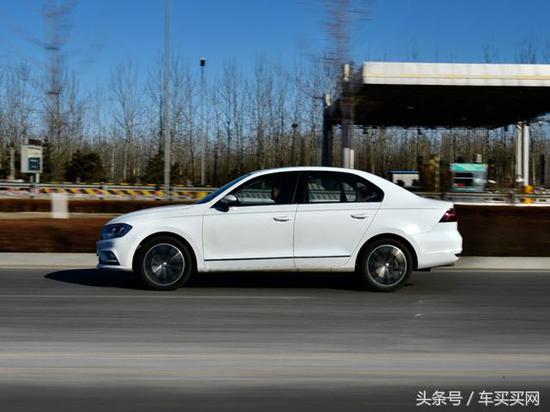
pixel 386 265
pixel 164 264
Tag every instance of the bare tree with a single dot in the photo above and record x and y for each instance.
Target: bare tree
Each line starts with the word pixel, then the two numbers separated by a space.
pixel 490 53
pixel 527 52
pixel 127 112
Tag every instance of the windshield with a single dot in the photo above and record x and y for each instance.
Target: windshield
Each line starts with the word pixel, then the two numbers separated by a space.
pixel 219 190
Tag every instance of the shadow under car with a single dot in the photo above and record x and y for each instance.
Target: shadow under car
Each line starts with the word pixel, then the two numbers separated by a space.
pixel 127 280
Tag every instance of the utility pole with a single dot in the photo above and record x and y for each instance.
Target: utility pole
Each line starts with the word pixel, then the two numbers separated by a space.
pixel 55 15
pixel 166 97
pixel 203 122
pixel 342 14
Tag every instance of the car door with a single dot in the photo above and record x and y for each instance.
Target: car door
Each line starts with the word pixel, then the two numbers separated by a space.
pixel 335 212
pixel 257 232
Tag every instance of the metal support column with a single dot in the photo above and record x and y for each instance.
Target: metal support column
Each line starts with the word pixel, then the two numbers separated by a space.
pixel 326 146
pixel 525 135
pixel 542 166
pixel 519 157
pixel 347 117
pixel 347 152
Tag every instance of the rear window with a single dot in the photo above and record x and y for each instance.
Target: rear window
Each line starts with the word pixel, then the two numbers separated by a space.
pixel 326 187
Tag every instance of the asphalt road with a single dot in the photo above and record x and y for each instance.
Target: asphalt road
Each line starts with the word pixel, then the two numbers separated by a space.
pixel 90 340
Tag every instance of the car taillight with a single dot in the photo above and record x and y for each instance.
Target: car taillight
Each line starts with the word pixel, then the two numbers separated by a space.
pixel 449 216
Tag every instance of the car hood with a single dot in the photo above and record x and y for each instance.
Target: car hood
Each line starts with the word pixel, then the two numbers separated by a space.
pixel 156 212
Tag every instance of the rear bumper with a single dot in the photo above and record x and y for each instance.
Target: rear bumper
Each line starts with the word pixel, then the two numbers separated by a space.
pixel 441 246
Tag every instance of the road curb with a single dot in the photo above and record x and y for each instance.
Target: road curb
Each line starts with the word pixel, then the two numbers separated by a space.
pixel 501 263
pixel 89 260
pixel 15 260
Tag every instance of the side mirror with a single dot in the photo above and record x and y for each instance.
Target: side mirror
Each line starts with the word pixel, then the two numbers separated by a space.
pixel 226 202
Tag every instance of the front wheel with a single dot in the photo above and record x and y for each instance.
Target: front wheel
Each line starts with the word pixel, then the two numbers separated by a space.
pixel 385 265
pixel 164 263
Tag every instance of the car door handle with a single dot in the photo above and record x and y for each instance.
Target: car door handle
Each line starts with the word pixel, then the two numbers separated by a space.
pixel 282 218
pixel 359 215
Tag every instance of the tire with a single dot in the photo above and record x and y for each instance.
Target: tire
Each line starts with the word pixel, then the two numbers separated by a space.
pixel 164 263
pixel 385 265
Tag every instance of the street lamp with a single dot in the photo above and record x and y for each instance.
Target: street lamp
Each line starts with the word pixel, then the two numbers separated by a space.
pixel 166 98
pixel 203 128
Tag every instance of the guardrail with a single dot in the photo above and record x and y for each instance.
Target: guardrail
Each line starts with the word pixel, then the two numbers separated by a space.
pixel 153 192
pixel 510 197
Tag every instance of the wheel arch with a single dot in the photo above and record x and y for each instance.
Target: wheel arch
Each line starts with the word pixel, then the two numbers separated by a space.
pixel 170 234
pixel 390 236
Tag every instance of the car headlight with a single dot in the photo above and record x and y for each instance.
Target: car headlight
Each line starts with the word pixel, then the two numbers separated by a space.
pixel 115 230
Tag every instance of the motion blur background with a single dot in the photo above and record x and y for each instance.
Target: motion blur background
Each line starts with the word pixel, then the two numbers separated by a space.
pixel 86 79
pixel 110 106
pixel 152 102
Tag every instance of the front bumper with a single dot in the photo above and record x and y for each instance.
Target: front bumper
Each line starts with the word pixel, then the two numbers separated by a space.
pixel 107 257
pixel 114 254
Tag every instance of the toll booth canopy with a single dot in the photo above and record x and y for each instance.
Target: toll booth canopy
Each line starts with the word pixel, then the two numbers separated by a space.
pixel 450 94
pixel 445 95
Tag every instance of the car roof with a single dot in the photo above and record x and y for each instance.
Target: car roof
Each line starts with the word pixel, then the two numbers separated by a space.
pixel 370 176
pixel 306 168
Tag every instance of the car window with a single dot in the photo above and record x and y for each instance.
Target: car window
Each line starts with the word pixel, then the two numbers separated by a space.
pixel 366 192
pixel 350 191
pixel 357 189
pixel 323 189
pixel 273 189
pixel 326 187
pixel 220 190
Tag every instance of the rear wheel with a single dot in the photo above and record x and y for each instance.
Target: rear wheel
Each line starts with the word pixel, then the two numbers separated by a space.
pixel 385 265
pixel 164 263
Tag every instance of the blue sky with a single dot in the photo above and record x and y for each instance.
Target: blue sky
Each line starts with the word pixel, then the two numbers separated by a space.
pixel 283 30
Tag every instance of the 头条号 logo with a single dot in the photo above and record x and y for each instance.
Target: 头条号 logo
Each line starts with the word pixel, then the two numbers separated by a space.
pixel 484 398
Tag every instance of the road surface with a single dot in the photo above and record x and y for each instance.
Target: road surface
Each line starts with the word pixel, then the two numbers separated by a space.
pixel 90 340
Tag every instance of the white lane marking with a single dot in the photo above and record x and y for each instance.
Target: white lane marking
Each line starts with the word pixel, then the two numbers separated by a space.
pixel 472 359
pixel 267 372
pixel 61 296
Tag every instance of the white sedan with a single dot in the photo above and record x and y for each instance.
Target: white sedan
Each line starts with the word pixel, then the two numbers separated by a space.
pixel 296 218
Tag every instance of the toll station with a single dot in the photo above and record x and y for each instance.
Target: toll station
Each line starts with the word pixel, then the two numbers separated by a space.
pixel 438 95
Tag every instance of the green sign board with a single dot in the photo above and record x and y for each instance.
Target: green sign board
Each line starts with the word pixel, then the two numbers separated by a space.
pixel 34 164
pixel 468 167
pixel 469 177
pixel 31 158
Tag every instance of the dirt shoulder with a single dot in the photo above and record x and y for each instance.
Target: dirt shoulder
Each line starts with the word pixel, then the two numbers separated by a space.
pixel 50 235
pixel 487 231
